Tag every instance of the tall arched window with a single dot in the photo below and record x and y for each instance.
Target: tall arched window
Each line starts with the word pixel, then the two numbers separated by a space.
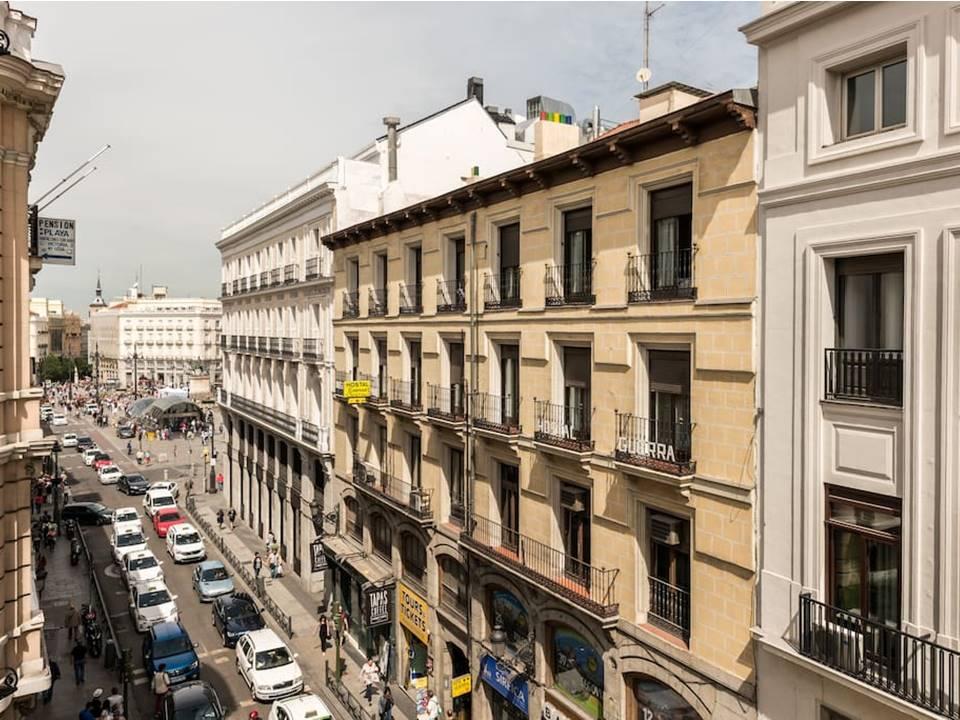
pixel 453 584
pixel 414 556
pixel 382 537
pixel 354 518
pixel 577 669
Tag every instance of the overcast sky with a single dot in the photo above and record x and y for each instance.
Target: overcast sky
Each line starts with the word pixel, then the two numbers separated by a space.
pixel 214 108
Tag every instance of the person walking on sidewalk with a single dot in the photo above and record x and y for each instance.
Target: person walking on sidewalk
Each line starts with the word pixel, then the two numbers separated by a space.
pixel 72 622
pixel 232 517
pixel 272 564
pixel 370 674
pixel 79 654
pixel 54 676
pixel 160 685
pixel 324 632
pixel 220 518
pixel 386 704
pixel 257 565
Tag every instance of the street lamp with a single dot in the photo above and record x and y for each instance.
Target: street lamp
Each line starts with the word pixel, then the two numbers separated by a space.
pixel 136 383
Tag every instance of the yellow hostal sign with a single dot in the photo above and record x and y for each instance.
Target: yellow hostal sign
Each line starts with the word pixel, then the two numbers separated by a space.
pixel 413 613
pixel 356 389
pixel 460 685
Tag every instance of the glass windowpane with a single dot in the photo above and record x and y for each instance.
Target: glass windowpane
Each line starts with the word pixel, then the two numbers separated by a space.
pixel 894 94
pixel 861 91
pixel 847 561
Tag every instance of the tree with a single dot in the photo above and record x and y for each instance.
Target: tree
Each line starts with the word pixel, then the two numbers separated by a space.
pixel 55 368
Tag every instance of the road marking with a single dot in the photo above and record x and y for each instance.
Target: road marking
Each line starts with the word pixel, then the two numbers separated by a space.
pixel 119 592
pixel 139 671
pixel 119 614
pixel 221 660
pixel 140 681
pixel 247 703
pixel 111 571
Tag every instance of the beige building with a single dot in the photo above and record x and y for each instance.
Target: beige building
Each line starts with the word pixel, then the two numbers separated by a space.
pixel 28 91
pixel 551 487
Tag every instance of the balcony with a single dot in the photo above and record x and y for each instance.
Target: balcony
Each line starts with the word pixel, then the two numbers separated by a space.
pixel 378 389
pixel 405 396
pixel 290 274
pixel 864 375
pixel 264 279
pixel 311 268
pixel 266 415
pixel 502 292
pixel 660 276
pixel 340 377
pixel 496 414
pixel 399 494
pixel 451 296
pixel 669 608
pixel 563 426
pixel 251 282
pixel 223 342
pixel 411 299
pixel 377 302
pixel 276 277
pixel 243 284
pixel 656 444
pixel 913 669
pixel 311 349
pixel 351 304
pixel 446 404
pixel 224 288
pixel 569 285
pixel 589 588
pixel 235 285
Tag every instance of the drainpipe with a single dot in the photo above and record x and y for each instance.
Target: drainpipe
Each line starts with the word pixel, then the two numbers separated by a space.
pixel 391 123
pixel 471 437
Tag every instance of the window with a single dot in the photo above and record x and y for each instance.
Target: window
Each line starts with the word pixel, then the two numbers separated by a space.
pixel 509 613
pixel 453 584
pixel 669 372
pixel 669 573
pixel 381 537
pixel 354 344
pixel 510 384
pixel 828 714
pixel 671 240
pixel 577 669
pixel 353 274
pixel 413 460
pixel 455 485
pixel 577 274
pixel 381 346
pixel 414 556
pixel 415 372
pixel 576 391
pixel 509 280
pixel 354 518
pixel 380 271
pixel 863 545
pixel 510 506
pixel 875 98
pixel 575 526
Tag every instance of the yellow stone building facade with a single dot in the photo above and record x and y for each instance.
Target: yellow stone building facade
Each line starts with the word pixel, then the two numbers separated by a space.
pixel 553 478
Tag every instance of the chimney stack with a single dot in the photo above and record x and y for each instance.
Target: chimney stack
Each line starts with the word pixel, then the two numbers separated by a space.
pixel 391 123
pixel 475 89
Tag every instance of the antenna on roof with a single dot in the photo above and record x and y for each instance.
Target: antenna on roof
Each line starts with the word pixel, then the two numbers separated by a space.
pixel 645 70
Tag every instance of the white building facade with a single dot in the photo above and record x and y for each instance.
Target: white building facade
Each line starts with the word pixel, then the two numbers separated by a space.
pixel 277 279
pixel 859 611
pixel 161 338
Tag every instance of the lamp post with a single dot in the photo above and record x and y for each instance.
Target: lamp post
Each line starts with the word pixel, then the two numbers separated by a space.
pixel 96 360
pixel 338 624
pixel 136 383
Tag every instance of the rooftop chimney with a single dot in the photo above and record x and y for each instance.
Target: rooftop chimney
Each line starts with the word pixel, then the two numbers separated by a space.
pixel 475 89
pixel 667 98
pixel 391 123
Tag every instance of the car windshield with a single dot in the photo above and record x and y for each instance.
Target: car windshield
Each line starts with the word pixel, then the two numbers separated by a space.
pixel 136 479
pixel 172 646
pixel 213 574
pixel 239 610
pixel 84 439
pixel 201 709
pixel 272 658
pixel 189 538
pixel 164 500
pixel 127 515
pixel 97 507
pixel 154 597
pixel 143 563
pixel 169 517
pixel 128 539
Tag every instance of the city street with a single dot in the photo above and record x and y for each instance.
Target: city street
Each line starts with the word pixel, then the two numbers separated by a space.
pixel 217 662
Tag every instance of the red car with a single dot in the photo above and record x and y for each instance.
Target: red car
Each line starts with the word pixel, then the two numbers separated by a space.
pixel 165 519
pixel 100 462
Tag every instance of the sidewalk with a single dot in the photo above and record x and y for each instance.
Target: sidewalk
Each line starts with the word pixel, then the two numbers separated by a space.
pixel 302 606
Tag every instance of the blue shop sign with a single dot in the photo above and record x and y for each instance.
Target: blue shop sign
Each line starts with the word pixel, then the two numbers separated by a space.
pixel 506 682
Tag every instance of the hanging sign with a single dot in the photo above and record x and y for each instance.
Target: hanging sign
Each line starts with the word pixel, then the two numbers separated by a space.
pixel 506 682
pixel 57 241
pixel 412 613
pixel 460 685
pixel 377 602
pixel 356 389
pixel 318 558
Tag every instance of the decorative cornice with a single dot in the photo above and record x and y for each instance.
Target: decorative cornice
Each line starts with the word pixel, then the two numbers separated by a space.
pixel 788 18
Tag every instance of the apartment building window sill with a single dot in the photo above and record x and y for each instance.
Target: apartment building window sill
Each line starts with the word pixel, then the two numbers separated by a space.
pixel 665 635
pixel 866 404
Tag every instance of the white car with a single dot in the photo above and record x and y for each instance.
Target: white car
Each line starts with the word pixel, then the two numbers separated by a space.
pixel 301 707
pixel 184 543
pixel 69 440
pixel 109 474
pixel 46 412
pixel 127 541
pixel 126 518
pixel 169 485
pixel 59 419
pixel 139 567
pixel 89 454
pixel 91 409
pixel 154 500
pixel 267 666
pixel 152 603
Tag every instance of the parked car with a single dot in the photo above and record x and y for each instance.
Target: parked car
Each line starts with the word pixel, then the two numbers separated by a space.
pixel 90 454
pixel 125 541
pixel 69 440
pixel 169 485
pixel 166 519
pixel 46 412
pixel 133 484
pixel 234 615
pixel 92 409
pixel 154 500
pixel 87 513
pixel 211 580
pixel 267 666
pixel 167 643
pixel 125 431
pixel 300 707
pixel 139 567
pixel 126 518
pixel 59 419
pixel 195 700
pixel 109 474
pixel 101 459
pixel 184 543
pixel 152 603
pixel 84 442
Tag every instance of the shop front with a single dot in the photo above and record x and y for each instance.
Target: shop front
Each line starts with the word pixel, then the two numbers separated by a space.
pixel 508 692
pixel 413 616
pixel 576 668
pixel 650 699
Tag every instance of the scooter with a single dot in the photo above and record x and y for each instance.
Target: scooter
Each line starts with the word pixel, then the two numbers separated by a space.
pixel 75 551
pixel 92 632
pixel 70 527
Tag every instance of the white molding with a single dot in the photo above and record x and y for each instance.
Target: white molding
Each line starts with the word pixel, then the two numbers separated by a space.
pixel 951 73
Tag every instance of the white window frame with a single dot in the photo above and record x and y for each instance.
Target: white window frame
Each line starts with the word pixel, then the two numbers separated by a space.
pixel 877 69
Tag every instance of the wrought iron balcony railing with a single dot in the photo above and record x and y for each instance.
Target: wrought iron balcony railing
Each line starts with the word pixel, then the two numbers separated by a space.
pixel 660 276
pixel 502 291
pixel 409 498
pixel 340 377
pixel 411 299
pixel 496 413
pixel 264 279
pixel 287 347
pixel 377 302
pixel 251 282
pixel 656 444
pixel 669 608
pixel 405 395
pixel 586 586
pixel 235 284
pixel 312 348
pixel 290 273
pixel 451 296
pixel 243 284
pixel 351 304
pixel 378 388
pixel 867 375
pixel 223 289
pixel 276 276
pixel 311 268
pixel 447 402
pixel 566 426
pixel 569 284
pixel 913 669
pixel 276 418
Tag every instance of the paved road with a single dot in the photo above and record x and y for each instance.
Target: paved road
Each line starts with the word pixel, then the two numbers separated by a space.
pixel 217 665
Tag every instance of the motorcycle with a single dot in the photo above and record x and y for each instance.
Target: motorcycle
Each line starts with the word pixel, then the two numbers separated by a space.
pixel 70 527
pixel 75 551
pixel 92 632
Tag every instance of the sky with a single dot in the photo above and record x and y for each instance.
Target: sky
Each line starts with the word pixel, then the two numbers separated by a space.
pixel 213 108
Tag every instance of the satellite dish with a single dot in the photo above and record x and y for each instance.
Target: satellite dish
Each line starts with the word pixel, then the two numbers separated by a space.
pixel 644 75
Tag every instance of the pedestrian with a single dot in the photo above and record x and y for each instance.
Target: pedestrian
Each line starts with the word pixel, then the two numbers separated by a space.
pixel 279 566
pixel 270 541
pixel 324 632
pixel 96 703
pixel 160 685
pixel 189 487
pixel 370 674
pixel 257 565
pixel 86 713
pixel 220 518
pixel 232 517
pixel 114 700
pixel 272 564
pixel 72 622
pixel 433 706
pixel 79 654
pixel 54 676
pixel 220 482
pixel 129 448
pixel 386 704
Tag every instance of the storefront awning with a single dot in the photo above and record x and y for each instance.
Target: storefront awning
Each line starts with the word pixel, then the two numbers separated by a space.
pixel 344 553
pixel 506 682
